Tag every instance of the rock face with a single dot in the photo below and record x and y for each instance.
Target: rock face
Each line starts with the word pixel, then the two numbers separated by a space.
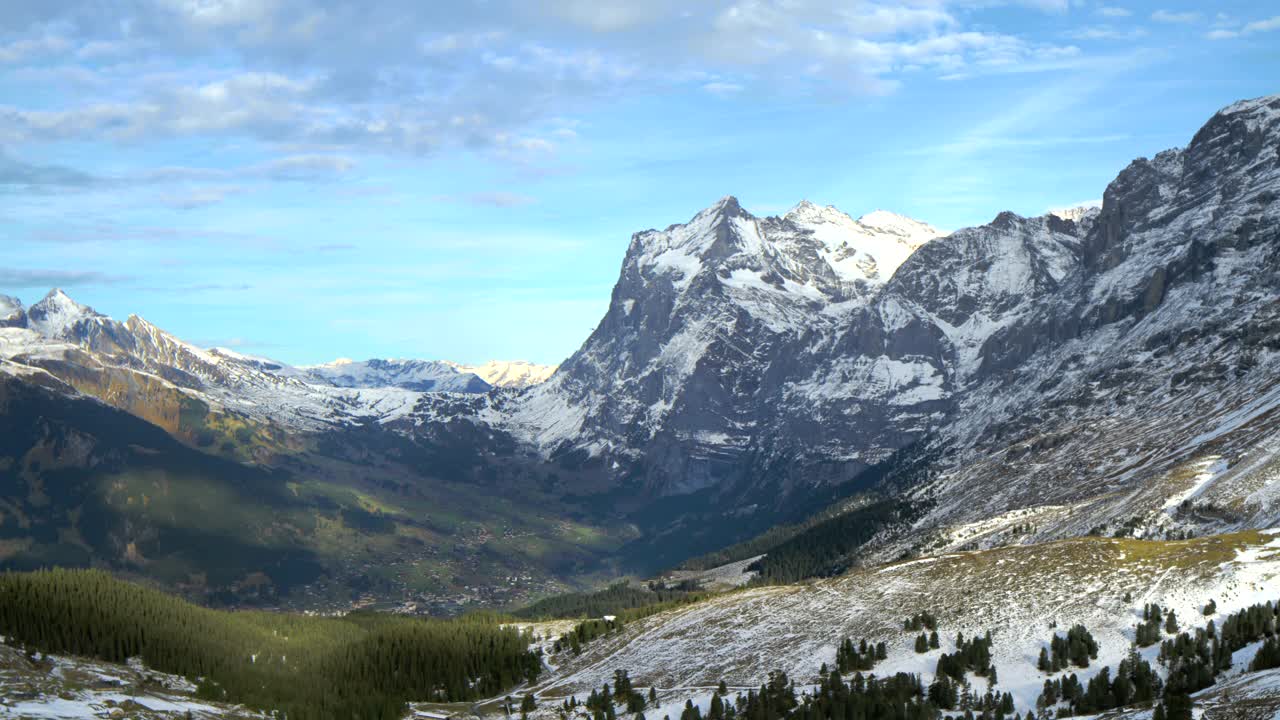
pixel 684 377
pixel 12 313
pixel 794 350
pixel 1052 361
pixel 1146 383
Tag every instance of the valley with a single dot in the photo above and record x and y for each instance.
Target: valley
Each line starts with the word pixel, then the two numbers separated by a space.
pixel 786 431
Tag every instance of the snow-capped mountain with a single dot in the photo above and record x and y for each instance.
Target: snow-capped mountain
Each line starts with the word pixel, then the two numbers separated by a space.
pixel 703 329
pixel 421 375
pixel 1100 369
pixel 57 315
pixel 133 363
pixel 508 373
pixel 12 314
pixel 1108 350
pixel 870 248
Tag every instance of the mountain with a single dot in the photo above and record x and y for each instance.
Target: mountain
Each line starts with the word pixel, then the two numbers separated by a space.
pixel 755 368
pixel 703 330
pixel 420 375
pixel 12 314
pixel 130 449
pixel 509 373
pixel 1108 370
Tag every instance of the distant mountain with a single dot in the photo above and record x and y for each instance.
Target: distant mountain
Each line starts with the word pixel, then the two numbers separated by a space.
pixel 509 373
pixel 420 375
pixel 12 314
pixel 423 375
pixel 238 479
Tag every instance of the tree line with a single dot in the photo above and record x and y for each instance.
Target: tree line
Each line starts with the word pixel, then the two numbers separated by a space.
pixel 364 665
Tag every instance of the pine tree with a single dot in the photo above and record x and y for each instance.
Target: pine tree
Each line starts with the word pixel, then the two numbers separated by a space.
pixel 1178 707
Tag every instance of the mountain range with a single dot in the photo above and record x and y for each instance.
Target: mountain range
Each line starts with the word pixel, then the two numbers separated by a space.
pixel 1108 370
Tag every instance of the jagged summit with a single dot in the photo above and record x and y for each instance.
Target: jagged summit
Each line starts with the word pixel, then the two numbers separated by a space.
pixel 407 374
pixel 869 249
pixel 57 313
pixel 1267 105
pixel 12 313
pixel 508 373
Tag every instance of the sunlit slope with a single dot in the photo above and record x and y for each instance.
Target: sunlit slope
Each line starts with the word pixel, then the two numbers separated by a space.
pixel 1016 592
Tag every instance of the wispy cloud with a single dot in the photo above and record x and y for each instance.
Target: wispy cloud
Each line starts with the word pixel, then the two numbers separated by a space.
pixel 200 197
pixel 1106 32
pixel 1257 26
pixel 1114 12
pixel 496 199
pixel 45 278
pixel 1169 16
pixel 348 76
pixel 722 88
pixel 16 174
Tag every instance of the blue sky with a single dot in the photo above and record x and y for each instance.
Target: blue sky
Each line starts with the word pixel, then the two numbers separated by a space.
pixel 307 179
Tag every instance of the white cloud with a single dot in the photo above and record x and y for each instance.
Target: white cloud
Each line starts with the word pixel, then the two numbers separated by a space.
pixel 199 197
pixel 1257 26
pixel 347 77
pixel 1169 16
pixel 498 199
pixel 1114 12
pixel 608 16
pixel 1272 23
pixel 304 167
pixel 1106 32
pixel 29 48
pixel 722 88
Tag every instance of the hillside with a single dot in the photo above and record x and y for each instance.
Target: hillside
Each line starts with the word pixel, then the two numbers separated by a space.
pixel 1022 595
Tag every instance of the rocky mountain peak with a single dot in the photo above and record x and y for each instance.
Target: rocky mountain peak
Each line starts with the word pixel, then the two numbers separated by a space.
pixel 12 313
pixel 57 314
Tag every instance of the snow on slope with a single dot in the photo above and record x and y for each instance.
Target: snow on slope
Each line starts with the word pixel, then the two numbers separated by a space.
pixel 57 313
pixel 79 688
pixel 869 248
pixel 12 314
pixel 701 312
pixel 420 375
pixel 1014 592
pixel 508 373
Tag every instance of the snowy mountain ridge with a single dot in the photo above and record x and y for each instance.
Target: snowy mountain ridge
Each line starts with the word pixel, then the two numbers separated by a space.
pixel 1108 348
pixel 508 373
pixel 1081 367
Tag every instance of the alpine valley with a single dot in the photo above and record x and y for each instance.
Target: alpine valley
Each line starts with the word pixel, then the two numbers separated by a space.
pixel 1034 424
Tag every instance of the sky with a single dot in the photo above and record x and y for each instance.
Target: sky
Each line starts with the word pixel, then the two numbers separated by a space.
pixel 306 179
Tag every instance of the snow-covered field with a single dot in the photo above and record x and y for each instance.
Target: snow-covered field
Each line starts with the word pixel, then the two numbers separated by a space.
pixel 1023 595
pixel 57 688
